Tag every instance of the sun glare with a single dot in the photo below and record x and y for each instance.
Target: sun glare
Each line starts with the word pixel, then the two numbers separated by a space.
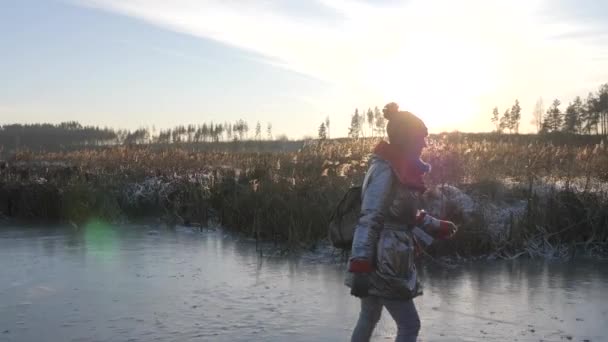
pixel 437 79
pixel 443 68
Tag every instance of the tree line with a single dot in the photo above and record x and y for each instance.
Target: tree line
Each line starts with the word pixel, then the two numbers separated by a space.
pixel 373 119
pixel 51 137
pixel 210 132
pixel 589 116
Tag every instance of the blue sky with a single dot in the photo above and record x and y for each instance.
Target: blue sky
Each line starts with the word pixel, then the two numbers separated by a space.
pixel 132 63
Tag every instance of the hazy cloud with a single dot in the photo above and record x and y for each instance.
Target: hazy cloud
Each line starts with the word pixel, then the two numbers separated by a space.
pixel 471 54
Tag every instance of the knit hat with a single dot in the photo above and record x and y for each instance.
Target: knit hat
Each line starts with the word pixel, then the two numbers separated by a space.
pixel 402 123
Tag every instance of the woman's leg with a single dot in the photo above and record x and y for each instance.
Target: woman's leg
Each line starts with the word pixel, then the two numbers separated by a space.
pixel 371 309
pixel 405 315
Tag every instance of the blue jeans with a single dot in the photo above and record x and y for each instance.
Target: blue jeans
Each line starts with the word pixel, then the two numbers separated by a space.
pixel 403 312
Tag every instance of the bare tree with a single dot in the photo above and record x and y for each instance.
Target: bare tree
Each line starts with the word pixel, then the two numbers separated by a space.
pixel 355 125
pixel 370 121
pixel 496 119
pixel 258 131
pixel 380 121
pixel 515 117
pixel 505 120
pixel 537 114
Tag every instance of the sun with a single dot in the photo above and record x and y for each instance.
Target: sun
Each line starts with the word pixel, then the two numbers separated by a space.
pixel 439 81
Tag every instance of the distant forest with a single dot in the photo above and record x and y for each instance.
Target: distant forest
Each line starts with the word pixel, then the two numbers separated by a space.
pixel 581 117
pixel 589 116
pixel 52 137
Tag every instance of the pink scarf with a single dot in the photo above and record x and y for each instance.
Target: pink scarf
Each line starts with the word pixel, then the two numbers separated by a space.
pixel 408 170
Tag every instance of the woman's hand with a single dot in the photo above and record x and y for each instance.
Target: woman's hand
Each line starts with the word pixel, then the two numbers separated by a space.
pixel 440 229
pixel 361 270
pixel 447 229
pixel 361 285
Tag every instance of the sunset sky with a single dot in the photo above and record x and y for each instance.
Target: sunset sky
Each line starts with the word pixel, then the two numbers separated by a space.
pixel 132 63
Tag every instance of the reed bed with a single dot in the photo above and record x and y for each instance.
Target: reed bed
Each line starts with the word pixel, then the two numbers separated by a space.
pixel 511 197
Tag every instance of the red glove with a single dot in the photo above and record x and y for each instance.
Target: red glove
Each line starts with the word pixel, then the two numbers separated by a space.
pixel 360 266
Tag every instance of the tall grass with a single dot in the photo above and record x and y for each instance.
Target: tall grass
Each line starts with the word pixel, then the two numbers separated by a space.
pixel 289 196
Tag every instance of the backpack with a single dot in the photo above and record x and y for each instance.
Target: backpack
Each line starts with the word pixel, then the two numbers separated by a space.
pixel 344 219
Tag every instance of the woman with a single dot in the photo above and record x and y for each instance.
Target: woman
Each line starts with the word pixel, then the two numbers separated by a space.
pixel 381 268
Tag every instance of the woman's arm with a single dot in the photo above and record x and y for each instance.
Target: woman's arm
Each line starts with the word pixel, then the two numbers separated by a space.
pixel 371 220
pixel 439 229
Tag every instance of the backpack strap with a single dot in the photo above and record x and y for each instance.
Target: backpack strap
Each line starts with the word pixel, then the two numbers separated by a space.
pixel 366 180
